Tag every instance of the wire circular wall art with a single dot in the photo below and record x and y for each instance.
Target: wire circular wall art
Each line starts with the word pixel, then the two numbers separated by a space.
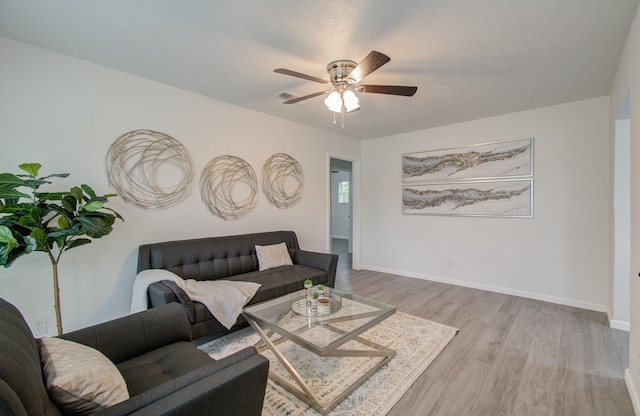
pixel 282 180
pixel 149 169
pixel 229 187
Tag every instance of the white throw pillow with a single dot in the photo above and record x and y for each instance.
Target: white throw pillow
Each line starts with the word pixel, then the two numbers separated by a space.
pixel 275 255
pixel 80 379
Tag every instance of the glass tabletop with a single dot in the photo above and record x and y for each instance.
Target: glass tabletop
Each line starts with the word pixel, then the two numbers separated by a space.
pixel 349 316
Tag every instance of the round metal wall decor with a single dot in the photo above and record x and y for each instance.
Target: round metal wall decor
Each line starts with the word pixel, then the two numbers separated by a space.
pixel 229 187
pixel 149 169
pixel 282 180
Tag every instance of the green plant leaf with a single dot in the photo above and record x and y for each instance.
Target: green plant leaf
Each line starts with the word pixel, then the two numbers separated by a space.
pixel 4 256
pixel 10 180
pixel 12 255
pixel 32 244
pixel 114 213
pixel 89 191
pixel 93 206
pixel 77 193
pixel 37 240
pixel 6 237
pixel 66 232
pixel 70 203
pixel 77 243
pixel 32 219
pixel 53 196
pixel 55 175
pixel 12 193
pixel 60 242
pixel 63 223
pixel 94 226
pixel 31 168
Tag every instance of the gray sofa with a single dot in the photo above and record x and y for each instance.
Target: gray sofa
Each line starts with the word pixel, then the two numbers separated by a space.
pixel 232 258
pixel 165 373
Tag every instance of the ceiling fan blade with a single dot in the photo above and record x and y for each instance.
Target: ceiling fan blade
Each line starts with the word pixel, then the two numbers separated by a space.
pixel 369 64
pixel 300 75
pixel 305 97
pixel 389 89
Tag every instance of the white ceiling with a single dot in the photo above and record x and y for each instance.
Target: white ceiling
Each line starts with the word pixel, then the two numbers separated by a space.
pixel 469 59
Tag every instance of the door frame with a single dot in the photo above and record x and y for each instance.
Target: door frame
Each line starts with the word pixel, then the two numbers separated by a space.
pixel 356 207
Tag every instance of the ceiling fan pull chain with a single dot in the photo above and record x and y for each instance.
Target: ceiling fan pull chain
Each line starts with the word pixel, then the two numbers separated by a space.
pixel 334 117
pixel 342 112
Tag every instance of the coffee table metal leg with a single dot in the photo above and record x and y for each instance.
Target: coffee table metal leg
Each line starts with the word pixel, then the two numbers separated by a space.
pixel 310 397
pixel 306 395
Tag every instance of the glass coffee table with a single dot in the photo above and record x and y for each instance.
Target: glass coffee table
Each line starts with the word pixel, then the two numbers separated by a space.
pixel 288 318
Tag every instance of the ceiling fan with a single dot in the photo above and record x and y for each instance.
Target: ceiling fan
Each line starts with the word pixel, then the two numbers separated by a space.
pixel 345 79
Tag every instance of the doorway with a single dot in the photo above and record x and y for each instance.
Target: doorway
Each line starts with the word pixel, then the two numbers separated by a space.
pixel 341 212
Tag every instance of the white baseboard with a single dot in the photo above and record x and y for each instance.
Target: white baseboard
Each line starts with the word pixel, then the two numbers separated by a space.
pixel 621 325
pixel 618 324
pixel 496 289
pixel 635 402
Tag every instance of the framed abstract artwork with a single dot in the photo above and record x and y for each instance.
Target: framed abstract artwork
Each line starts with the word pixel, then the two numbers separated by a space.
pixel 507 159
pixel 485 198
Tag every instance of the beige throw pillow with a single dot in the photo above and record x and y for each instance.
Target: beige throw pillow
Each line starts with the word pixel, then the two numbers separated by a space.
pixel 80 379
pixel 275 255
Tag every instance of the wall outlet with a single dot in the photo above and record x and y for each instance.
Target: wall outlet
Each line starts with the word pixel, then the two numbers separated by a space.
pixel 39 326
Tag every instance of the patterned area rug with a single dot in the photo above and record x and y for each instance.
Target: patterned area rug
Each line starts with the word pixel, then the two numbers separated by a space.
pixel 417 343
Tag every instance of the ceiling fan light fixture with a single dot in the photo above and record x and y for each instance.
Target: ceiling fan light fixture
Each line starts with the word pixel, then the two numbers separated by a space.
pixel 334 102
pixel 350 101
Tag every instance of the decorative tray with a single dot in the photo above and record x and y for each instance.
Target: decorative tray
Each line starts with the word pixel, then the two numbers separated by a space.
pixel 299 305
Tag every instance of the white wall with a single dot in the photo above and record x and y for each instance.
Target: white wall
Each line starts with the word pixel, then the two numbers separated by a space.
pixel 65 113
pixel 561 255
pixel 619 308
pixel 628 82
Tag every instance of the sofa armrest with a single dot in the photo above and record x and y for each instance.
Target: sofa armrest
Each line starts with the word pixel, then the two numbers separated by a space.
pixel 137 334
pixel 234 385
pixel 160 294
pixel 322 261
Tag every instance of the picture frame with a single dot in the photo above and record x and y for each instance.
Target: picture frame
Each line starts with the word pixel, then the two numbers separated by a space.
pixel 503 159
pixel 479 198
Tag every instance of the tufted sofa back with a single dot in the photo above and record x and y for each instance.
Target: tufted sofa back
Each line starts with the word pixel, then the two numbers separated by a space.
pixel 22 389
pixel 213 257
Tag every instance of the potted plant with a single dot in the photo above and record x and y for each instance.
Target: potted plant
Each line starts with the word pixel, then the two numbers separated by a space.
pixel 51 222
pixel 308 284
pixel 321 290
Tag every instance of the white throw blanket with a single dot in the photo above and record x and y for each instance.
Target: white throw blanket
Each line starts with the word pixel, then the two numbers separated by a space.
pixel 223 298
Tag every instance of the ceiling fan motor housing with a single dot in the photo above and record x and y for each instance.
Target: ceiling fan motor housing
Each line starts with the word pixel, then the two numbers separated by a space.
pixel 339 72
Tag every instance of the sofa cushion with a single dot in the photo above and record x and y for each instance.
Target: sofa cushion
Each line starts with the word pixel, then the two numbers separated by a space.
pixel 272 256
pixel 80 379
pixel 275 282
pixel 161 365
pixel 281 281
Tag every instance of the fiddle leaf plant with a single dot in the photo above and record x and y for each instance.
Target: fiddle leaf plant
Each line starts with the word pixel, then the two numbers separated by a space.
pixel 50 222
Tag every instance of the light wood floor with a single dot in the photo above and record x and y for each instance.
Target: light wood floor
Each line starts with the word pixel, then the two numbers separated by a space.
pixel 512 356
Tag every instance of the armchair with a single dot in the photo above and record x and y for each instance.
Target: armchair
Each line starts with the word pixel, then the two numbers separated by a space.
pixel 165 373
